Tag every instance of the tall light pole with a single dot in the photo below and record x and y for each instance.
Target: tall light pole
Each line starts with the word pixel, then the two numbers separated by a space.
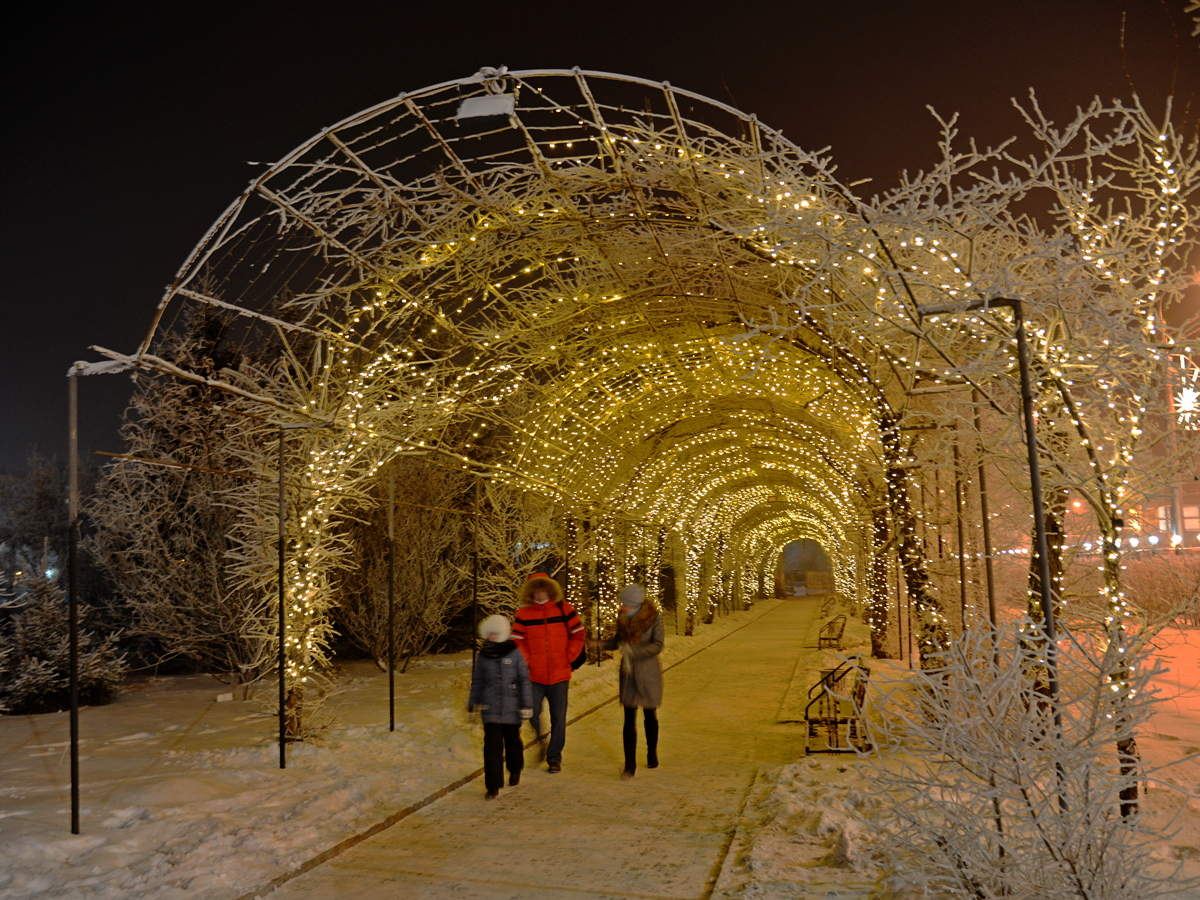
pixel 1045 591
pixel 77 369
pixel 73 582
pixel 281 589
pixel 981 469
pixel 391 600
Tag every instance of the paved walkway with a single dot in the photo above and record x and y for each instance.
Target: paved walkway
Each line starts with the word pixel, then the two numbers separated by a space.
pixel 585 832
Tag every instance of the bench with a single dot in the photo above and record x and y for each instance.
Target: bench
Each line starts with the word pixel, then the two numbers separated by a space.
pixel 833 714
pixel 831 632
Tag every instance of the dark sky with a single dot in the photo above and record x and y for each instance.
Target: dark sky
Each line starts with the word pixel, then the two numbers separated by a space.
pixel 128 129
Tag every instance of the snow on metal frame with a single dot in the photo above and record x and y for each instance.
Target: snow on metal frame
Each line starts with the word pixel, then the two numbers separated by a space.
pixel 221 228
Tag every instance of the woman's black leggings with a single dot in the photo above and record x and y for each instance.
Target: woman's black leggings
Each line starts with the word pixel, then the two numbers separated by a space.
pixel 650 723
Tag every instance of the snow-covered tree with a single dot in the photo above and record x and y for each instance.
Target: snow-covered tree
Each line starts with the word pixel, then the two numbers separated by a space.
pixel 163 522
pixel 983 787
pixel 35 655
pixel 432 541
pixel 515 537
pixel 33 519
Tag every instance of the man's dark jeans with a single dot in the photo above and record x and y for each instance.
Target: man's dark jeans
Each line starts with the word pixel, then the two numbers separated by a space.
pixel 556 698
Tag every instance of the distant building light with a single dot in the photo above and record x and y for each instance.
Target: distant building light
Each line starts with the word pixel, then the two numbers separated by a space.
pixel 1134 541
pixel 1153 539
pixel 1176 540
pixel 52 573
pixel 1087 545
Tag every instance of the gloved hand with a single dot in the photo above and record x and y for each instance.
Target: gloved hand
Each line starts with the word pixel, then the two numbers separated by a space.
pixel 527 713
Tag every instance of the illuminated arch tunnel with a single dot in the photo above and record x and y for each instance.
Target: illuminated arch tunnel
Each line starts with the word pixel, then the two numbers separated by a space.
pixel 606 291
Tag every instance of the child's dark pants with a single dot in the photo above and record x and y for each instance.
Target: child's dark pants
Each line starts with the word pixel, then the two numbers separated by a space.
pixel 501 744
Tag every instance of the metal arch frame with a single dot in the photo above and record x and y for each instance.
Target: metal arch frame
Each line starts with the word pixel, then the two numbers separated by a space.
pixel 482 77
pixel 228 224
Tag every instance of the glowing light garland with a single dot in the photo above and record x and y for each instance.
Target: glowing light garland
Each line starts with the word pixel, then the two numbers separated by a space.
pixel 678 325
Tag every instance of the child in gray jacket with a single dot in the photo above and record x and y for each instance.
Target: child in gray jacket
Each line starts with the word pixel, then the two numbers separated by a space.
pixel 501 691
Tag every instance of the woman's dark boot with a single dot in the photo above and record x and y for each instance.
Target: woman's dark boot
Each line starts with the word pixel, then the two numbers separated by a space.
pixel 629 738
pixel 650 721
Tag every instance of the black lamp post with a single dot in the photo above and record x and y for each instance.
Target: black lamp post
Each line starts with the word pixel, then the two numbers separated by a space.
pixel 1045 592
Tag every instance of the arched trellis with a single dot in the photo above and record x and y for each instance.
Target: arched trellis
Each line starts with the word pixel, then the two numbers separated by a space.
pixel 557 279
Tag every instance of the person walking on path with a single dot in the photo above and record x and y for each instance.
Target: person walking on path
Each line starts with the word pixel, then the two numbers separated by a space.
pixel 551 636
pixel 639 637
pixel 500 690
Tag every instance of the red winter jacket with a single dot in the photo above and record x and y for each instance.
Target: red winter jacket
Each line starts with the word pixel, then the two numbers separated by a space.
pixel 550 635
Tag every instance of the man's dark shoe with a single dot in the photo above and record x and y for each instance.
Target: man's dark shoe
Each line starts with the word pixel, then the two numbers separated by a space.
pixel 652 760
pixel 514 778
pixel 491 795
pixel 554 767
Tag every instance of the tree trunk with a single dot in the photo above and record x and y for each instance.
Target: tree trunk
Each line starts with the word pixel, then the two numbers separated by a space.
pixel 932 639
pixel 1127 750
pixel 877 592
pixel 291 712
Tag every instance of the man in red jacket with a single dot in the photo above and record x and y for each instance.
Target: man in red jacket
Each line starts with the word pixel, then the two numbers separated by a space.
pixel 549 633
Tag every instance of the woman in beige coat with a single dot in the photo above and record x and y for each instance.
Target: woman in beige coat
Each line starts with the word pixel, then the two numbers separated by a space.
pixel 639 637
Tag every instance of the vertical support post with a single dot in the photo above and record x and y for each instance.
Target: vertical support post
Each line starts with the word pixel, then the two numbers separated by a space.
pixel 282 624
pixel 985 517
pixel 474 576
pixel 900 638
pixel 391 600
pixel 1046 588
pixel 924 517
pixel 958 529
pixel 567 531
pixel 1046 592
pixel 908 622
pixel 73 584
pixel 937 513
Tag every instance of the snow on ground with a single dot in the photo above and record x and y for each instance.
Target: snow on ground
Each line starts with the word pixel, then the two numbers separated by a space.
pixel 182 794
pixel 799 836
pixel 1172 736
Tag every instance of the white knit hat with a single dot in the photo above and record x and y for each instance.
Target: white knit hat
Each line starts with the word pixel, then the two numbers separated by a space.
pixel 495 628
pixel 633 596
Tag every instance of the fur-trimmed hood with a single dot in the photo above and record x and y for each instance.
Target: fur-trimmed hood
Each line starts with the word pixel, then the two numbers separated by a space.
pixel 536 581
pixel 630 628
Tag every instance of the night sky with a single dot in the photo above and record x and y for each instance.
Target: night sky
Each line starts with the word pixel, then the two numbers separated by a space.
pixel 128 130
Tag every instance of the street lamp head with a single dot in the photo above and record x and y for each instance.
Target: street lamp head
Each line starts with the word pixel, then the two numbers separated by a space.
pixel 970 306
